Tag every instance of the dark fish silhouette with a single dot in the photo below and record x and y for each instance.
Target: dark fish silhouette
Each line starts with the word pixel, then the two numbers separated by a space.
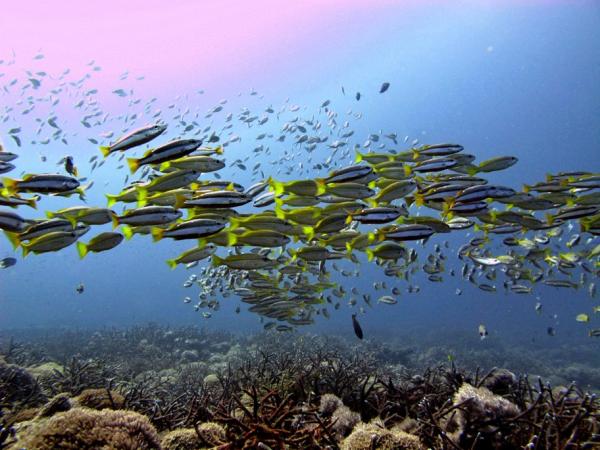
pixel 384 87
pixel 358 96
pixel 357 329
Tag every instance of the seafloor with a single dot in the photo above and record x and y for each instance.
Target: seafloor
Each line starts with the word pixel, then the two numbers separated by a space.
pixel 153 387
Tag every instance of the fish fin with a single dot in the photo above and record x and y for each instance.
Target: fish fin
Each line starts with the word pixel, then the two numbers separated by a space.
pixel 219 150
pixel 278 187
pixel 142 193
pixel 234 222
pixel 526 188
pixel 115 221
pixel 50 214
pixel 370 254
pixel 157 233
pixel 217 260
pixel 82 249
pixel 105 150
pixel 407 169
pixel 179 201
pixel 359 157
pixel 32 202
pixel 232 239
pixel 26 250
pixel 349 219
pixel 172 263
pixel 75 172
pixel 133 164
pixel 474 170
pixel 419 199
pixel 10 186
pixel 14 239
pixel 309 232
pixel 127 231
pixel 321 187
pixel 72 220
pixel 550 219
pixel 112 199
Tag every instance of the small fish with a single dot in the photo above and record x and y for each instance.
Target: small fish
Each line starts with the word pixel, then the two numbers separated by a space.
pixel 483 333
pixel 384 87
pixel 70 166
pixel 80 288
pixel 7 262
pixel 357 329
pixel 582 318
pixel 135 138
pixel 551 331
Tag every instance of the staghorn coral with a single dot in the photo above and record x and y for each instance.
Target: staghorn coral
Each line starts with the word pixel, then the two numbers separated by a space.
pixel 375 435
pixel 99 399
pixel 81 428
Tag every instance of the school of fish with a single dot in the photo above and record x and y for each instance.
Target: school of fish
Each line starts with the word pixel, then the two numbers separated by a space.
pixel 276 243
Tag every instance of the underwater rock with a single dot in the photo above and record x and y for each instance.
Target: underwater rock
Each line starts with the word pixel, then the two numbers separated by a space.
pixel 500 381
pixel 82 428
pixel 479 408
pixel 344 420
pixel 329 403
pixel 367 436
pixel 99 399
pixel 59 403
pixel 211 433
pixel 17 385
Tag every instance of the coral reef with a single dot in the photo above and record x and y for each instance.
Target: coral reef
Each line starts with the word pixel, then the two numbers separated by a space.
pixel 275 391
pixel 86 428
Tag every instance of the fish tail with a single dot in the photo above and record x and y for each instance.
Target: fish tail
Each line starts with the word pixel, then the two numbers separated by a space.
pixel 14 239
pixel 50 214
pixel 157 233
pixel 75 172
pixel 419 199
pixel 105 150
pixel 32 202
pixel 134 164
pixel 142 193
pixel 278 187
pixel 164 166
pixel 279 212
pixel 172 263
pixel 309 232
pixel 359 157
pixel 115 221
pixel 232 239
pixel 526 188
pixel 217 260
pixel 550 219
pixel 10 186
pixel 370 254
pixel 349 219
pixel 82 249
pixel 72 220
pixel 321 186
pixel 127 232
pixel 474 170
pixel 112 199
pixel 234 222
pixel 407 169
pixel 416 154
pixel 26 250
pixel 180 200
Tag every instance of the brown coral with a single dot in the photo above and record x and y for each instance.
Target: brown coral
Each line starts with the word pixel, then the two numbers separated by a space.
pixel 87 428
pixel 374 435
pixel 181 439
pixel 99 399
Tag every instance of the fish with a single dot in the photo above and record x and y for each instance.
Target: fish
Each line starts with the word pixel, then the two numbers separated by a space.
pixel 357 328
pixel 7 262
pixel 174 150
pixel 135 138
pixel 70 166
pixel 39 183
pixel 80 288
pixel 193 255
pixel 483 332
pixel 50 242
pixel 100 243
pixel 384 87
pixel 191 229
